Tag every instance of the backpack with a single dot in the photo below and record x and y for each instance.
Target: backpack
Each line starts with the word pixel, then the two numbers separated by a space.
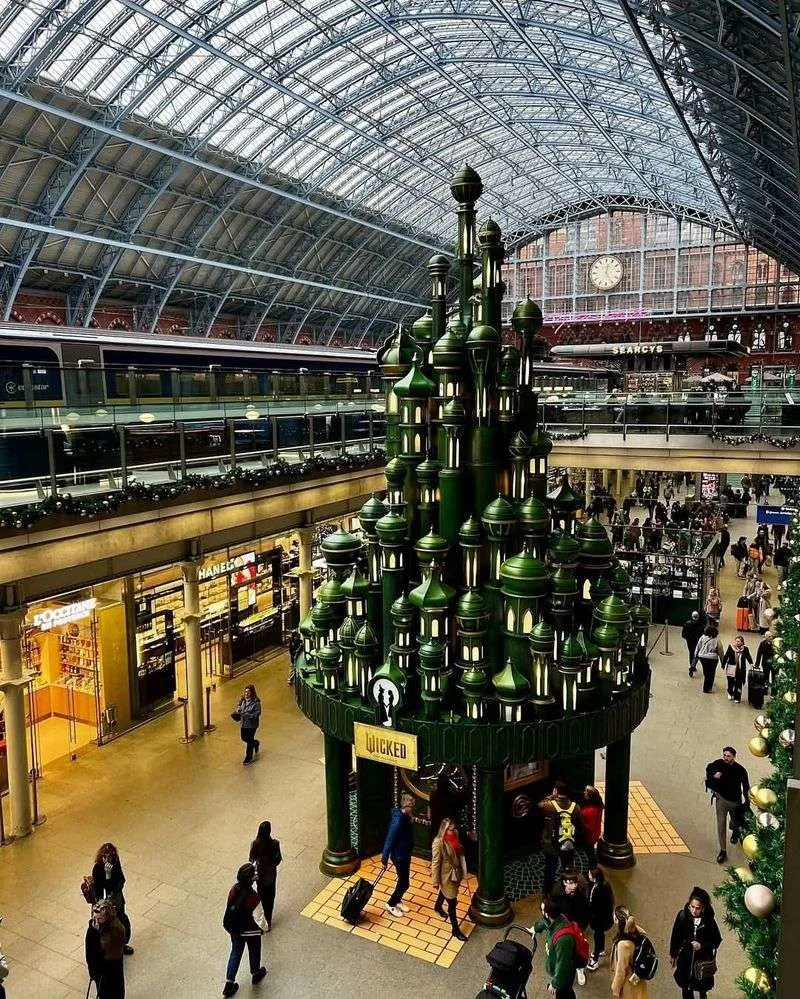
pixel 581 943
pixel 88 890
pixel 645 961
pixel 237 915
pixel 565 825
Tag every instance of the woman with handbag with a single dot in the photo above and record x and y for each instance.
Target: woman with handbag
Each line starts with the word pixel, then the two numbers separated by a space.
pixel 265 853
pixel 735 662
pixel 248 714
pixel 105 945
pixel 625 984
pixel 108 881
pixel 693 946
pixel 448 869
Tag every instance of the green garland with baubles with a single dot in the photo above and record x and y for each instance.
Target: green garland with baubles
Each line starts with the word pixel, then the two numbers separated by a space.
pixel 65 506
pixel 753 893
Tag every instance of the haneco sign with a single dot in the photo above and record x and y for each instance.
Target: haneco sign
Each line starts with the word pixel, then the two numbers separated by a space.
pixel 397 749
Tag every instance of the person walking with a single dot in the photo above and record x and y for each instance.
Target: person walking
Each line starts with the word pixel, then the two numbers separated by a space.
pixel 398 847
pixel 722 545
pixel 448 870
pixel 690 633
pixel 735 662
pixel 562 826
pixel 729 785
pixel 713 607
pixel 295 648
pixel 625 984
pixel 265 854
pixel 559 946
pixel 248 714
pixel 781 560
pixel 574 901
pixel 104 946
pixel 240 924
pixel 109 880
pixel 765 664
pixel 708 652
pixel 693 946
pixel 592 809
pixel 601 914
pixel 764 614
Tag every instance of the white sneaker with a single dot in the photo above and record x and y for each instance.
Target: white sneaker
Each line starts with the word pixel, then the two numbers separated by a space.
pixel 593 964
pixel 393 910
pixel 581 976
pixel 401 907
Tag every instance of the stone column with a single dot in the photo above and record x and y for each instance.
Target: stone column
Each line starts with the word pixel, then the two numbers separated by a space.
pixel 614 848
pixel 338 858
pixel 490 907
pixel 588 485
pixel 12 683
pixel 606 476
pixel 191 633
pixel 618 483
pixel 305 571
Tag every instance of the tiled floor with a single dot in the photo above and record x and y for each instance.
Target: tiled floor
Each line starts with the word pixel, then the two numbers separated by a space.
pixel 421 933
pixel 649 830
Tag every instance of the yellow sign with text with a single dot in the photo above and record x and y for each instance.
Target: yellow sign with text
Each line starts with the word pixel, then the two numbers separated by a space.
pixel 384 745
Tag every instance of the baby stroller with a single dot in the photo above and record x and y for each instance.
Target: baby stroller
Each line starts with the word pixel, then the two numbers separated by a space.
pixel 510 966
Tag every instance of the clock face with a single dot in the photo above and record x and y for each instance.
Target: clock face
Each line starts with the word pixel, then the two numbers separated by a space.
pixel 423 781
pixel 606 272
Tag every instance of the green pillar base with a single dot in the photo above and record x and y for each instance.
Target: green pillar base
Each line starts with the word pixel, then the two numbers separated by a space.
pixel 617 855
pixel 490 912
pixel 339 865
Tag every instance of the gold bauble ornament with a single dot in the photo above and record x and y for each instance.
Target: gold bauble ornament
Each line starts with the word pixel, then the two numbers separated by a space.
pixel 750 846
pixel 758 978
pixel 760 721
pixel 766 798
pixel 744 874
pixel 786 738
pixel 759 901
pixel 764 733
pixel 768 821
pixel 790 697
pixel 758 746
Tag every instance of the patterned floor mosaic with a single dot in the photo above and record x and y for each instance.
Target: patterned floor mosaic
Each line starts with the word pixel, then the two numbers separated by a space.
pixel 421 933
pixel 648 828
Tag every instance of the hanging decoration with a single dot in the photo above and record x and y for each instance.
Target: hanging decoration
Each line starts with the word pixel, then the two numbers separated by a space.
pixel 746 440
pixel 238 479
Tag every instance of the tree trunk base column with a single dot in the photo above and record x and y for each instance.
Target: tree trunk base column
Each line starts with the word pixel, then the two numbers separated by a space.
pixel 614 848
pixel 339 859
pixel 490 905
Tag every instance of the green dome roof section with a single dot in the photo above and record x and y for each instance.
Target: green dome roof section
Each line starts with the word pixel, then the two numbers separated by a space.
pixel 599 589
pixel 428 471
pixel 322 617
pixel 534 517
pixel 510 684
pixel 448 351
pixel 356 586
pixel 366 640
pixel 470 532
pixel 564 549
pixel 542 637
pixel 595 545
pixel 392 528
pixel 564 499
pixel 453 413
pixel 432 594
pixel 439 262
pixel 414 385
pixel 508 368
pixel 613 611
pixel 590 650
pixel 431 654
pixel 499 512
pixel 402 609
pixel 606 636
pixel 523 575
pixel 370 513
pixel 347 631
pixel 541 445
pixel 520 446
pixel 397 355
pixel 483 336
pixel 474 680
pixel 330 592
pixel 471 605
pixel 395 472
pixel 422 329
pixel 640 616
pixel 564 583
pixel 572 651
pixel 527 317
pixel 431 547
pixel 340 548
pixel 489 233
pixel 466 185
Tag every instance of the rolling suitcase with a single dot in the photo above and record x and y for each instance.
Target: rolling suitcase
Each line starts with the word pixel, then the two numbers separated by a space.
pixel 356 897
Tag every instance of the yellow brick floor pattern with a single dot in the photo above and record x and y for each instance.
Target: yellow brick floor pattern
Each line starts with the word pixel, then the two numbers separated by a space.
pixel 421 933
pixel 649 830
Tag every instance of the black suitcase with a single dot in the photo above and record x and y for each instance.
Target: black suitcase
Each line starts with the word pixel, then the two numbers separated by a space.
pixel 356 897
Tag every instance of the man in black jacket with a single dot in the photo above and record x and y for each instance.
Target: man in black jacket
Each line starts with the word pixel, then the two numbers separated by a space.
pixel 690 633
pixel 729 784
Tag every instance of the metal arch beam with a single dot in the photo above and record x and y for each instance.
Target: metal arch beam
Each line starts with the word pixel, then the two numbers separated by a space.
pixel 788 63
pixel 190 260
pixel 655 66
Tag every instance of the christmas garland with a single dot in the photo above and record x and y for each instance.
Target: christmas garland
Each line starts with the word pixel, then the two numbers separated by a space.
pixel 734 440
pixel 753 894
pixel 280 472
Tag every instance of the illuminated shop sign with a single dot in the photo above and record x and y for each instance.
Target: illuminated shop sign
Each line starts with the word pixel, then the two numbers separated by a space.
pixel 637 348
pixel 231 565
pixel 54 617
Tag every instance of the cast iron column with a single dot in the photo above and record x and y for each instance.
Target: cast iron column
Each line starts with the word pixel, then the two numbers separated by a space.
pixel 194 661
pixel 338 858
pixel 12 683
pixel 305 570
pixel 614 848
pixel 490 907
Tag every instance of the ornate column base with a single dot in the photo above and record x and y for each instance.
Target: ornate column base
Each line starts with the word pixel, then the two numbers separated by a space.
pixel 618 855
pixel 490 912
pixel 339 865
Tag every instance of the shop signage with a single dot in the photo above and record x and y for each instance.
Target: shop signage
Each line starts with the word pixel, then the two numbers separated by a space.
pixel 637 348
pixel 397 749
pixel 775 514
pixel 54 617
pixel 231 565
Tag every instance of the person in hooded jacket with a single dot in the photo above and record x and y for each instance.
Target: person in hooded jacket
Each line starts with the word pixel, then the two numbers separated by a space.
pixel 104 947
pixel 265 853
pixel 694 944
pixel 691 633
pixel 240 923
pixel 601 914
